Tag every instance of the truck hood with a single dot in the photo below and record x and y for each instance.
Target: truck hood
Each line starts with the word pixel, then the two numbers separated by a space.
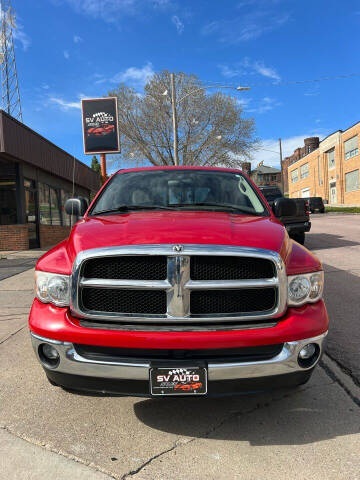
pixel 167 227
pixel 177 227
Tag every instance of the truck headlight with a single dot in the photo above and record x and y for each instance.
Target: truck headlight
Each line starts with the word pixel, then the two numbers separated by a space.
pixel 306 288
pixel 52 288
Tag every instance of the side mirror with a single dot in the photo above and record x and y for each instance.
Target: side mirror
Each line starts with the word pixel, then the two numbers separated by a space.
pixel 76 206
pixel 284 207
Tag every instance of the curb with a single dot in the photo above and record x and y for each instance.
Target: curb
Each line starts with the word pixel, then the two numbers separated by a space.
pixel 344 380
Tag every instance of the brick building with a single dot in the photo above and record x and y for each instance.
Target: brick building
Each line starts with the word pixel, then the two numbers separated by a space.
pixel 35 181
pixel 310 144
pixel 266 176
pixel 330 171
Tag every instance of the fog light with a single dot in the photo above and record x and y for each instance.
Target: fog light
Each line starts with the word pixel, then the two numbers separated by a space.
pixel 49 356
pixel 50 352
pixel 308 355
pixel 307 352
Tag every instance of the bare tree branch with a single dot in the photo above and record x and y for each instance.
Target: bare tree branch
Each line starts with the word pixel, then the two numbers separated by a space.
pixel 212 129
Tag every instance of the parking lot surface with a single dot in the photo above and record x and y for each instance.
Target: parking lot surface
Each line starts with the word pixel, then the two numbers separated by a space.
pixel 309 433
pixel 335 240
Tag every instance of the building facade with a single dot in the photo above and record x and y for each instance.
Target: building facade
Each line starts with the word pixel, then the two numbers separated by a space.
pixel 266 176
pixel 36 178
pixel 310 144
pixel 331 171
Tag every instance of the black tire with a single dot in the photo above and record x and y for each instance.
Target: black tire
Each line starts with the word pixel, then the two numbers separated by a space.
pixel 299 237
pixel 322 210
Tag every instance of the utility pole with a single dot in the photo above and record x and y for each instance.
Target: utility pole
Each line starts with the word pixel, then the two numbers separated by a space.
pixel 281 168
pixel 174 118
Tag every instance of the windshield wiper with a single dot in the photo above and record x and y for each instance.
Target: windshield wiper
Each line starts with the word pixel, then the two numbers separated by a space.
pixel 234 208
pixel 127 208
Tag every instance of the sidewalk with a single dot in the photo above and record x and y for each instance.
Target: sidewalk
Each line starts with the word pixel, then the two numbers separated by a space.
pixel 14 262
pixel 38 463
pixel 31 253
pixel 310 433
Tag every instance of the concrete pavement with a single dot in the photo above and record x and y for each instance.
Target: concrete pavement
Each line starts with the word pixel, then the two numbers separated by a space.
pixel 13 262
pixel 45 432
pixel 335 240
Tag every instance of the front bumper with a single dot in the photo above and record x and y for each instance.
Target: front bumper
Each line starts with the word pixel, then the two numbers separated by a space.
pixel 75 371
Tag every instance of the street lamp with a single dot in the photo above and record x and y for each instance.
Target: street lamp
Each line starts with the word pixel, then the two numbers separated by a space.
pixel 239 88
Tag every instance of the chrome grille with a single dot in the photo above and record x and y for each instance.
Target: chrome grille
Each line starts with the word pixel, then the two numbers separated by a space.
pixel 230 268
pixel 126 268
pixel 246 300
pixel 116 300
pixel 252 284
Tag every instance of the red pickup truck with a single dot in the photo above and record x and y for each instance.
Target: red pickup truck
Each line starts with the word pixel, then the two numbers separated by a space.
pixel 175 277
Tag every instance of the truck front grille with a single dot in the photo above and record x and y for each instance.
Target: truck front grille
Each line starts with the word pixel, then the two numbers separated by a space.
pixel 115 300
pixel 189 284
pixel 230 268
pixel 128 267
pixel 232 301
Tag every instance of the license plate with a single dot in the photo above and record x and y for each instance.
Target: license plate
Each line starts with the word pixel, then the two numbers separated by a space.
pixel 178 381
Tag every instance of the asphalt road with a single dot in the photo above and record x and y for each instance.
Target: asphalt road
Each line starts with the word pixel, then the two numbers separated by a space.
pixel 309 433
pixel 335 239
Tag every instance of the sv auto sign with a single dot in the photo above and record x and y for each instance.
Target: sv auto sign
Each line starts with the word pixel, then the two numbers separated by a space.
pixel 100 125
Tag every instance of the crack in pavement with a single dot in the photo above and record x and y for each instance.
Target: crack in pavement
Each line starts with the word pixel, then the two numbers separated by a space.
pixel 12 334
pixel 344 369
pixel 337 380
pixel 180 443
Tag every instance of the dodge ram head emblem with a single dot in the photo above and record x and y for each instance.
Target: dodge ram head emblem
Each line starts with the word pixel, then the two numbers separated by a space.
pixel 178 248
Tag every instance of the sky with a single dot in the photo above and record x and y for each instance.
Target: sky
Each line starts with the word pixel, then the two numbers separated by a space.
pixel 72 49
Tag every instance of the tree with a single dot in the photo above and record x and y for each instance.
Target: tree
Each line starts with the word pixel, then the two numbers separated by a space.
pixel 95 165
pixel 212 129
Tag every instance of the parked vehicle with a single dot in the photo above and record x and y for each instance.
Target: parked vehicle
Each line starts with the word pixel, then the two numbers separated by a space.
pixel 316 204
pixel 299 222
pixel 178 281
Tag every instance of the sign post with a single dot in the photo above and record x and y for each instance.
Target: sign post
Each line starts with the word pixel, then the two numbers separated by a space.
pixel 100 128
pixel 103 166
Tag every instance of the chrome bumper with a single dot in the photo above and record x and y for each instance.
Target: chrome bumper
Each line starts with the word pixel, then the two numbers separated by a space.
pixel 74 364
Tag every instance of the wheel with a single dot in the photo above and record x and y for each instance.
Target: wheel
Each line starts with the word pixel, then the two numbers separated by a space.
pixel 322 210
pixel 299 237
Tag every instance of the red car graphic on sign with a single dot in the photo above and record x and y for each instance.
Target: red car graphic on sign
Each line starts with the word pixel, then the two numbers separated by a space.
pixel 188 387
pixel 100 131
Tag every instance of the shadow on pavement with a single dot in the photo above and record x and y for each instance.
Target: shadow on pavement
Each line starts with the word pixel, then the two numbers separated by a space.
pixel 319 241
pixel 295 418
pixel 13 266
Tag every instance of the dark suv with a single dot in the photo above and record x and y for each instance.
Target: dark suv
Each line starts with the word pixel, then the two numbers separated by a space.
pixel 316 204
pixel 296 224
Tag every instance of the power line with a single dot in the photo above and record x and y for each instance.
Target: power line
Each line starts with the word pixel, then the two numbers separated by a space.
pixel 294 82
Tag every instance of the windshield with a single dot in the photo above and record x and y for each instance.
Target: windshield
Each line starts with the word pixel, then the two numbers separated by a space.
pixel 179 190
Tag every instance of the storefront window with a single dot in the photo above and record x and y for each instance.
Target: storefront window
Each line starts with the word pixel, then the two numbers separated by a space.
pixel 49 205
pixel 55 207
pixel 8 206
pixel 44 204
pixel 66 217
